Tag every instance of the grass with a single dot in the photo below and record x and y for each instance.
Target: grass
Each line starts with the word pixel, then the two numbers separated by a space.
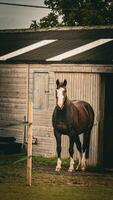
pixel 48 185
pixel 46 192
pixel 40 160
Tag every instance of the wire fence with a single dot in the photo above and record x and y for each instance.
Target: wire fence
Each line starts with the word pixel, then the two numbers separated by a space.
pixel 7 124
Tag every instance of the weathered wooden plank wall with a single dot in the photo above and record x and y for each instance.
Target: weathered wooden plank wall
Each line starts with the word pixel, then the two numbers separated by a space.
pixel 13 95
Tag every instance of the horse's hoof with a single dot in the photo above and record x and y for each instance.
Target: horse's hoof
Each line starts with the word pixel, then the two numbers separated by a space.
pixel 70 170
pixel 83 169
pixel 78 168
pixel 58 169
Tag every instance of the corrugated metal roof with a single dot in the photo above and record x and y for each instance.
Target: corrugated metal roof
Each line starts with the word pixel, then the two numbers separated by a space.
pixel 58 46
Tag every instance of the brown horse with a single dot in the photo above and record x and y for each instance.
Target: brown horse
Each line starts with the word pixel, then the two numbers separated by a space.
pixel 72 118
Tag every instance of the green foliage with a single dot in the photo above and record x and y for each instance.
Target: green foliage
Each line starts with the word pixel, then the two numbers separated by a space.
pixel 34 25
pixel 83 12
pixel 50 21
pixel 40 160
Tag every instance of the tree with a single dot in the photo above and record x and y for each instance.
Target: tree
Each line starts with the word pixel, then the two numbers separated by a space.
pixel 34 25
pixel 50 21
pixel 83 12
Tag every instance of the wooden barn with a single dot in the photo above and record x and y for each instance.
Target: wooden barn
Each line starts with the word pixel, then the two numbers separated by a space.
pixel 30 63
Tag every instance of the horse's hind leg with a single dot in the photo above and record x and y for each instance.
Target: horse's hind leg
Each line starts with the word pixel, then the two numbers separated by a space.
pixel 79 148
pixel 71 151
pixel 85 150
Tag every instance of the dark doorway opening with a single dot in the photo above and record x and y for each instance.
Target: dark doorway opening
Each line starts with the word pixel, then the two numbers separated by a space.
pixel 108 123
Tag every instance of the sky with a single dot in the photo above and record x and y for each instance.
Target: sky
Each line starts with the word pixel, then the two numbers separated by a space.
pixel 12 17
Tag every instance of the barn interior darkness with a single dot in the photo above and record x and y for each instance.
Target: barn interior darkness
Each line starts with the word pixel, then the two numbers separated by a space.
pixel 108 123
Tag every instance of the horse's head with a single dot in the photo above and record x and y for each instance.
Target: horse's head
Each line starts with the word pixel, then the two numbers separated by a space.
pixel 61 93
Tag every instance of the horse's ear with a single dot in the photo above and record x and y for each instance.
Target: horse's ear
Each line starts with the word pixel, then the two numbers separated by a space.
pixel 57 82
pixel 65 83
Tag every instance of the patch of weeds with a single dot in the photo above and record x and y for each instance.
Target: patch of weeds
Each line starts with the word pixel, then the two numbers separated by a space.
pixel 11 159
pixel 44 161
pixel 12 166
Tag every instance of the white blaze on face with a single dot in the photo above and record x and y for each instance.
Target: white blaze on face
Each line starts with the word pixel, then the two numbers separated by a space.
pixel 60 97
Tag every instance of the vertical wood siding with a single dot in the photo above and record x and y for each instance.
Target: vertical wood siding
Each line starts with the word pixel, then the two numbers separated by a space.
pixel 84 86
pixel 13 81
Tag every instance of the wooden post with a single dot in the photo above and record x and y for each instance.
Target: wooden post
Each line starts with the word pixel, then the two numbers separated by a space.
pixel 29 145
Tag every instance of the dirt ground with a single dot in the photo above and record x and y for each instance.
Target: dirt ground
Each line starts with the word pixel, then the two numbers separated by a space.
pixel 47 174
pixel 13 168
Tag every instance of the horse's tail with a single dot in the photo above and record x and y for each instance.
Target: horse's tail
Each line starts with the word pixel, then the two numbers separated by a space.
pixel 87 134
pixel 86 143
pixel 92 116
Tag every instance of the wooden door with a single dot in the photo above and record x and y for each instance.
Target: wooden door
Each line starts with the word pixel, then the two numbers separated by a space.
pixel 41 90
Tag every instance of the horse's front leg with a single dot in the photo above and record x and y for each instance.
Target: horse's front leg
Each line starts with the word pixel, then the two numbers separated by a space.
pixel 58 144
pixel 79 148
pixel 71 152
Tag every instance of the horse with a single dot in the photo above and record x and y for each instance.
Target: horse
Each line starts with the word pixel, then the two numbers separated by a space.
pixel 72 118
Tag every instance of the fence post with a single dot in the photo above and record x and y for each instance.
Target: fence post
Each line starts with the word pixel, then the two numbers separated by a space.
pixel 29 145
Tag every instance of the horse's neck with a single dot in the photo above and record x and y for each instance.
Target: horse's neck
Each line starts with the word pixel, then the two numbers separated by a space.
pixel 67 103
pixel 65 108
